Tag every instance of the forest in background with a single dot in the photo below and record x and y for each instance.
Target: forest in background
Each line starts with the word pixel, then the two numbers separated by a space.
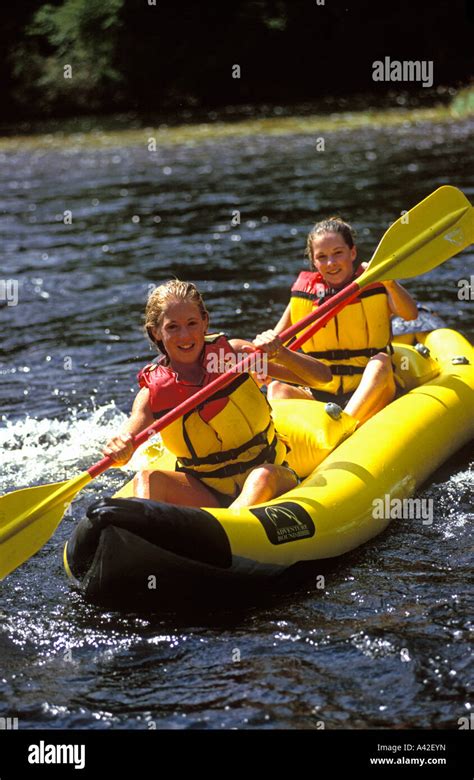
pixel 155 55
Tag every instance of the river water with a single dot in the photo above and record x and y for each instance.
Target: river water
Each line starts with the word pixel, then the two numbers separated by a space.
pixel 386 643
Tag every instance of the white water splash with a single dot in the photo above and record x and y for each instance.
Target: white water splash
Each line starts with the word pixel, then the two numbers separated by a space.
pixel 45 450
pixel 376 647
pixel 453 501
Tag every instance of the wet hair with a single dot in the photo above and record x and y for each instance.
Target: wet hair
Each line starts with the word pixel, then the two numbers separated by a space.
pixel 330 225
pixel 160 297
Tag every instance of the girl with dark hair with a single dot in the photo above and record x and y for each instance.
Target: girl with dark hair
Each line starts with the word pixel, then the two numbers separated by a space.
pixel 355 344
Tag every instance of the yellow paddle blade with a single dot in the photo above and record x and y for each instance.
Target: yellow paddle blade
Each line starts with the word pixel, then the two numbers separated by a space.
pixel 29 517
pixel 431 232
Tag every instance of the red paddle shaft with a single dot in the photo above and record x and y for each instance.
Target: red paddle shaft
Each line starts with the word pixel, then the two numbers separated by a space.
pixel 323 313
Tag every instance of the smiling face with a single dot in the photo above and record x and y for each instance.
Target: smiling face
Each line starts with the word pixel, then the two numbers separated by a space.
pixel 182 331
pixel 333 258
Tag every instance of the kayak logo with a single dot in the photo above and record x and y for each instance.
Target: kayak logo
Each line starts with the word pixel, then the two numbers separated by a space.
pixel 285 522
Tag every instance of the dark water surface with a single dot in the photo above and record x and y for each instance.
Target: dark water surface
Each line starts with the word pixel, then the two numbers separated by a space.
pixel 386 643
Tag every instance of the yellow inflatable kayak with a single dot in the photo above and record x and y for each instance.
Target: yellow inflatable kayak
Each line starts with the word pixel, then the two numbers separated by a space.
pixel 353 483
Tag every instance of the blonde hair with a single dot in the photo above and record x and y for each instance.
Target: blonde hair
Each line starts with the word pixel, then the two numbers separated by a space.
pixel 162 296
pixel 329 225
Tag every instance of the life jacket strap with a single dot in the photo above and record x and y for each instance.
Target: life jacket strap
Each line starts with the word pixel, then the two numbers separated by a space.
pixel 220 457
pixel 330 292
pixel 341 370
pixel 346 354
pixel 267 455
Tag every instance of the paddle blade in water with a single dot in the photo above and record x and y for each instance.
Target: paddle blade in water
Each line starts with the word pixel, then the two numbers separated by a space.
pixel 29 517
pixel 431 232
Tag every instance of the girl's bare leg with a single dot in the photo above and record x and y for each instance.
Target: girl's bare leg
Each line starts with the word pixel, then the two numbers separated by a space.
pixel 173 487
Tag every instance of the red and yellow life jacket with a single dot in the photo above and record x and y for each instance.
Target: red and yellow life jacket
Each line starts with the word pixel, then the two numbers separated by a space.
pixel 351 338
pixel 227 435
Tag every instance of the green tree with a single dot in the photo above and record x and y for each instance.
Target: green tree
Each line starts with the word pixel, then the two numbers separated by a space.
pixel 67 58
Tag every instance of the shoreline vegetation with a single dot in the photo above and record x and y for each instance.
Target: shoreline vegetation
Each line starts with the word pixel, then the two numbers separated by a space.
pixel 194 133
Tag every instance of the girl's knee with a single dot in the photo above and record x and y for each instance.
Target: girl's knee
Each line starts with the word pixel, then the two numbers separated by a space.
pixel 385 360
pixel 277 390
pixel 385 376
pixel 264 477
pixel 147 483
pixel 280 390
pixel 381 365
pixel 141 484
pixel 265 480
pixel 277 479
